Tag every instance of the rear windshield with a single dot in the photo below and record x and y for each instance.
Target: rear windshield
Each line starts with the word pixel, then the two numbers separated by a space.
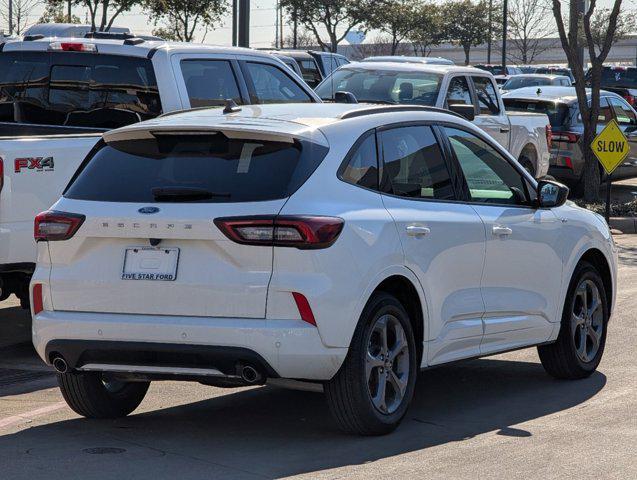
pixel 383 86
pixel 494 69
pixel 521 82
pixel 557 112
pixel 208 168
pixel 619 77
pixel 76 89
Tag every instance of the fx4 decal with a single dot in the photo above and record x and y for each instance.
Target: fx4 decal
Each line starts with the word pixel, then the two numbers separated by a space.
pixel 39 164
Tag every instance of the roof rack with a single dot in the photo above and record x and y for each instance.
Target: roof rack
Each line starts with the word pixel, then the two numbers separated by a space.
pixel 109 35
pixel 396 108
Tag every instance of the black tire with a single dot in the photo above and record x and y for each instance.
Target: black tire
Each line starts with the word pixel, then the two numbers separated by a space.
pixel 348 393
pixel 560 359
pixel 88 395
pixel 527 164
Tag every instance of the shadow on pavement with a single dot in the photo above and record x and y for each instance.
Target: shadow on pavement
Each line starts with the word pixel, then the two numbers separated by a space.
pixel 271 433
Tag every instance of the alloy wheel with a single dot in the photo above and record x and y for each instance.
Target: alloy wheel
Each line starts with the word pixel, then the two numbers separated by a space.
pixel 587 320
pixel 387 364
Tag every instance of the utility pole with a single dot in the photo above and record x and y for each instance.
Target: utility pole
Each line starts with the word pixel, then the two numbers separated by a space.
pixel 490 32
pixel 68 11
pixel 295 28
pixel 505 27
pixel 281 23
pixel 234 23
pixel 10 17
pixel 244 23
pixel 276 26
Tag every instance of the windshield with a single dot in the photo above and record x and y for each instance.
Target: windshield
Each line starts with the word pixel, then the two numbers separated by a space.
pixel 521 82
pixel 494 69
pixel 619 77
pixel 557 112
pixel 382 86
pixel 203 168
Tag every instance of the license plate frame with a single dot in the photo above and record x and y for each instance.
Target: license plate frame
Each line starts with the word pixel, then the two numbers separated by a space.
pixel 146 263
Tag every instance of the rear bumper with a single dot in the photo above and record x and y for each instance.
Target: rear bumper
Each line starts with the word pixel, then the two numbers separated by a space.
pixel 284 348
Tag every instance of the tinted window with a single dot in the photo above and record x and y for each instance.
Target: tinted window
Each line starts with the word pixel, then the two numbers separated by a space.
pixel 230 170
pixel 605 112
pixel 310 71
pixel 487 97
pixel 558 113
pixel 490 177
pixel 413 164
pixel 362 166
pixel 209 82
pixel 76 89
pixel 384 86
pixel 521 82
pixel 623 112
pixel 619 77
pixel 270 84
pixel 459 93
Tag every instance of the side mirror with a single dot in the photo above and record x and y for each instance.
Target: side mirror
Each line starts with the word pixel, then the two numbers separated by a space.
pixel 551 194
pixel 344 97
pixel 467 111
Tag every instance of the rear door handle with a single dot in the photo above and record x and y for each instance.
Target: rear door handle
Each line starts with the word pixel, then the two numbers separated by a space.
pixel 417 231
pixel 505 129
pixel 501 230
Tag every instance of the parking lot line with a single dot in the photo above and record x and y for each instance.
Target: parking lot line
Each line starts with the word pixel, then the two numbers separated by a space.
pixel 38 412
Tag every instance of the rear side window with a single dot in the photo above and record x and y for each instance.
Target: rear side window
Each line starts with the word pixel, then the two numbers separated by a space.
pixel 209 82
pixel 213 167
pixel 459 93
pixel 361 167
pixel 270 84
pixel 413 165
pixel 487 98
pixel 76 89
pixel 310 71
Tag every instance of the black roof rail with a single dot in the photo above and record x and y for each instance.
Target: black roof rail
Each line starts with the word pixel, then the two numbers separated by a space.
pixel 134 41
pixel 397 108
pixel 30 38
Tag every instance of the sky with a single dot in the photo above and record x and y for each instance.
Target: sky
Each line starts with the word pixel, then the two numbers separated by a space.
pixel 262 23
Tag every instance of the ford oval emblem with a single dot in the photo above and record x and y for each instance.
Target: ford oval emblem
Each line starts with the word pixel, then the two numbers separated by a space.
pixel 148 210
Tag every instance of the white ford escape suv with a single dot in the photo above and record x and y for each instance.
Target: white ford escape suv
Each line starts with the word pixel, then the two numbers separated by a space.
pixel 349 245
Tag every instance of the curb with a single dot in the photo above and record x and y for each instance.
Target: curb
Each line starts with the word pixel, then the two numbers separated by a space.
pixel 624 224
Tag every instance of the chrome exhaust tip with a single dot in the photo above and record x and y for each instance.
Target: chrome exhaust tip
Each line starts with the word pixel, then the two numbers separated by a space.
pixel 249 374
pixel 60 365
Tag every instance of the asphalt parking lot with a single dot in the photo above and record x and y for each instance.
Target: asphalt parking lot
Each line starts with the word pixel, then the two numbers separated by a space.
pixel 500 417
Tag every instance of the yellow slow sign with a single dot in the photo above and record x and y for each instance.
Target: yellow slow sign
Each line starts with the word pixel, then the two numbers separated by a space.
pixel 610 147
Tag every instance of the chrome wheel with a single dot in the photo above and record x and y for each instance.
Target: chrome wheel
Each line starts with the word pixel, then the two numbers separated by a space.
pixel 387 364
pixel 587 320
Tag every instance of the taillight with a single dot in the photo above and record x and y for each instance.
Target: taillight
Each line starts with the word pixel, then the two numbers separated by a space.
pixel 568 137
pixel 72 47
pixel 52 225
pixel 38 301
pixel 548 131
pixel 303 232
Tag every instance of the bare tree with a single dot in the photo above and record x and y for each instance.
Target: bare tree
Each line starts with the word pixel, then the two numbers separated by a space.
pixel 530 24
pixel 23 15
pixel 381 45
pixel 101 13
pixel 304 39
pixel 626 23
pixel 56 13
pixel 578 35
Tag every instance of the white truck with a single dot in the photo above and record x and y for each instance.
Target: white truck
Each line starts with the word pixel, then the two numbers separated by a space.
pixel 58 95
pixel 467 90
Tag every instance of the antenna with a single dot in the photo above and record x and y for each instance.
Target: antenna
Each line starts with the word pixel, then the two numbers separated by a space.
pixel 231 106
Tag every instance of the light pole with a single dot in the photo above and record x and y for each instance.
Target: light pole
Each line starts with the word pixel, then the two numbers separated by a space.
pixel 10 17
pixel 244 23
pixel 490 32
pixel 505 15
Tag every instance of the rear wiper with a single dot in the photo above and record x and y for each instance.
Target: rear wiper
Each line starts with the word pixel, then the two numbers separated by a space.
pixel 175 194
